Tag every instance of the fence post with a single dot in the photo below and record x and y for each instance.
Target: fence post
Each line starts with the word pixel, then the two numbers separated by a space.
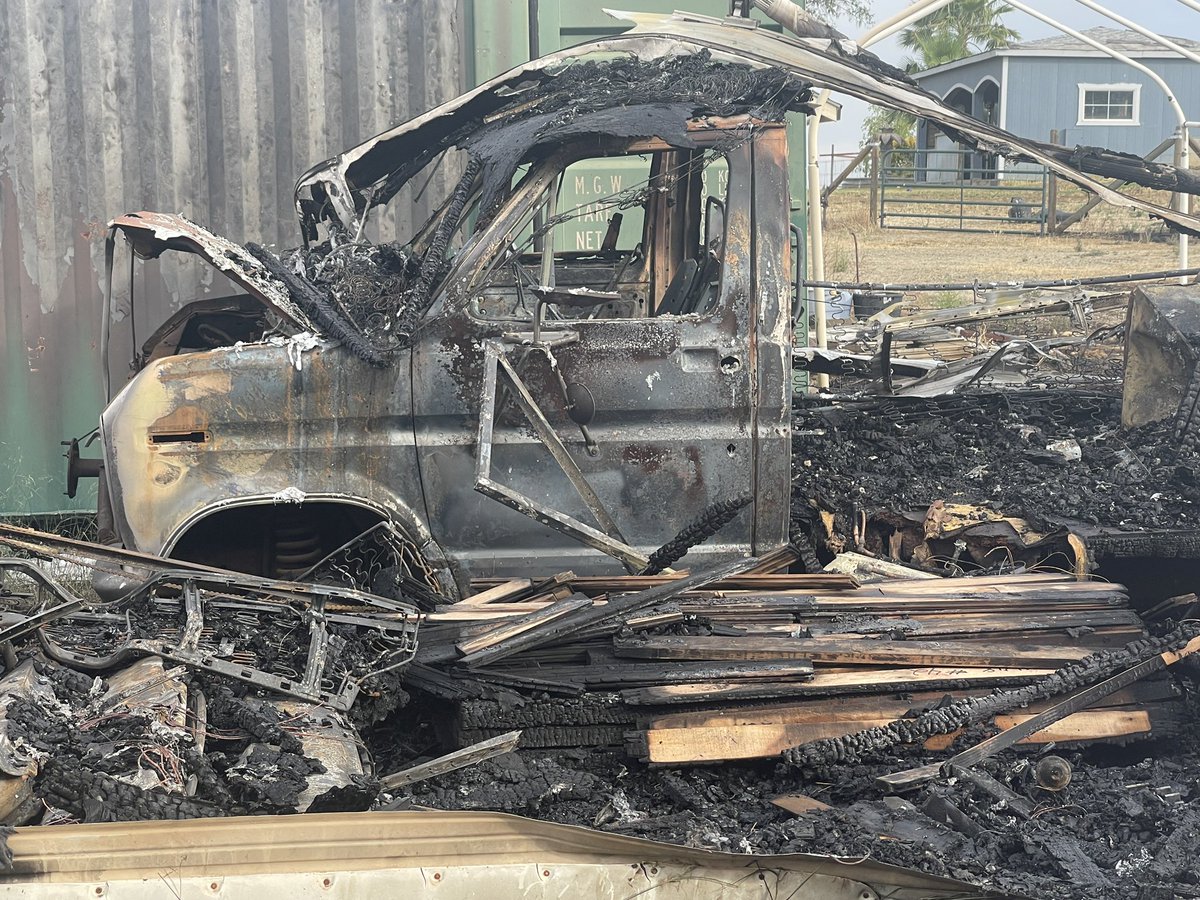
pixel 1051 204
pixel 875 176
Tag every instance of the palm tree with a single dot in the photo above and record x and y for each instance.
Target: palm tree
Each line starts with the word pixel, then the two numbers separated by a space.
pixel 957 30
pixel 961 29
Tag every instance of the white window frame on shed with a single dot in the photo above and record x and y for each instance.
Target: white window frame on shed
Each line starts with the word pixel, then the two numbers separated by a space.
pixel 1135 89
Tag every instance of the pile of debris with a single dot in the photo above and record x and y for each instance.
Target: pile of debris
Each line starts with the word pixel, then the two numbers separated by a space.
pixel 1037 338
pixel 1049 463
pixel 1124 826
pixel 203 693
pixel 628 669
pixel 900 671
pixel 821 702
pixel 197 693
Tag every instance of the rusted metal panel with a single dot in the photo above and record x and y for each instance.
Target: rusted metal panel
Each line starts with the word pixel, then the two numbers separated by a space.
pixel 209 108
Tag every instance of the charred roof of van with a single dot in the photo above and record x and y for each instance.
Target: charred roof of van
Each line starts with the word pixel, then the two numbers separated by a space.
pixel 650 80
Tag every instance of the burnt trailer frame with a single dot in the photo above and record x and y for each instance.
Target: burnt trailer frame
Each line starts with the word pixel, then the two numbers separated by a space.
pixel 580 426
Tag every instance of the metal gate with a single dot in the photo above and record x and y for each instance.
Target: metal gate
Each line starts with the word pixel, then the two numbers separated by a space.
pixel 959 190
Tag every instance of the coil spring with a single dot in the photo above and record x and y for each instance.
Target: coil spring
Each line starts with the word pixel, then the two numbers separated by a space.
pixel 295 545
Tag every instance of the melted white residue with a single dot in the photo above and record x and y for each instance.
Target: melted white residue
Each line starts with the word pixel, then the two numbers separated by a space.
pixel 296 346
pixel 289 495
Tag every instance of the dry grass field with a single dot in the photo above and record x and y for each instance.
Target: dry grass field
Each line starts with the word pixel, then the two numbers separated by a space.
pixel 1109 241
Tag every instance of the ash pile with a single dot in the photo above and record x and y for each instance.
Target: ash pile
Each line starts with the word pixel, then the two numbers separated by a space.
pixel 1078 451
pixel 1057 461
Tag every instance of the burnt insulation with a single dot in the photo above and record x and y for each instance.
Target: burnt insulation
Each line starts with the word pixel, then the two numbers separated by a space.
pixel 712 519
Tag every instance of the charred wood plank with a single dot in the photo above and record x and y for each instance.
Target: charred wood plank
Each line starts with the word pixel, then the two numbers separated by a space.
pixel 621 584
pixel 1074 703
pixel 992 623
pixel 620 607
pixel 527 631
pixel 629 674
pixel 450 762
pixel 775 561
pixel 828 684
pixel 438 684
pixel 476 637
pixel 528 683
pixel 863 652
pixel 653 618
pixel 505 592
pixel 740 736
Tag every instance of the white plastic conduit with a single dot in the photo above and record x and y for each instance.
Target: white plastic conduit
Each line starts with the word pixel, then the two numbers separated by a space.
pixel 792 17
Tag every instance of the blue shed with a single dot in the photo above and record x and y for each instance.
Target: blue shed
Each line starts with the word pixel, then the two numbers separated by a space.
pixel 1064 84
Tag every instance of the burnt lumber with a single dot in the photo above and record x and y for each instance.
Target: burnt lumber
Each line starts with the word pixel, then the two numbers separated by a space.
pixel 615 608
pixel 778 561
pixel 507 591
pixel 1022 727
pixel 742 581
pixel 862 652
pixel 756 732
pixel 741 736
pixel 833 684
pixel 676 668
pixel 506 638
pixel 628 674
pixel 449 762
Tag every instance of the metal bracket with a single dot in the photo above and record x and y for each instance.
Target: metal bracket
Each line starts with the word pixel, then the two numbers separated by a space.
pixel 609 540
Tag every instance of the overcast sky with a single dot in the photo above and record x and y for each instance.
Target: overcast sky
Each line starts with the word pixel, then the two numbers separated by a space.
pixel 1167 17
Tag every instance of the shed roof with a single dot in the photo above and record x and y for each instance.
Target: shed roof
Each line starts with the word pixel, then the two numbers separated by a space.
pixel 1117 38
pixel 1128 42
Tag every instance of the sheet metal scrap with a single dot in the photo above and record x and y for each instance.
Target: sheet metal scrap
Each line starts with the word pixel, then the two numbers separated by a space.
pixel 152 233
pixel 1162 359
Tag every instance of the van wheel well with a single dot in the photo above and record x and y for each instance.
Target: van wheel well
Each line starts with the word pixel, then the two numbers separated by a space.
pixel 279 540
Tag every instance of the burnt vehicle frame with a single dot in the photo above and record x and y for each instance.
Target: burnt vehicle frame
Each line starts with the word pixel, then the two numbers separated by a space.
pixel 202 449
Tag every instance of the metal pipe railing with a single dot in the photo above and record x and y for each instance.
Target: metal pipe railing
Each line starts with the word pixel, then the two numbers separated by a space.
pixel 884 287
pixel 901 20
pixel 1181 201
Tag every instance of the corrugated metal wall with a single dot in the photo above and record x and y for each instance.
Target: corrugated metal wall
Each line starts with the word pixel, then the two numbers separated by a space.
pixel 211 108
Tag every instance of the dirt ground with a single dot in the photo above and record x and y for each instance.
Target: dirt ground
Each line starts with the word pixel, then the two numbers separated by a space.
pixel 1110 241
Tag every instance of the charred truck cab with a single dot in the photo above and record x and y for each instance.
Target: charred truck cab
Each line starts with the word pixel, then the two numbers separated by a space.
pixel 549 403
pixel 487 393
